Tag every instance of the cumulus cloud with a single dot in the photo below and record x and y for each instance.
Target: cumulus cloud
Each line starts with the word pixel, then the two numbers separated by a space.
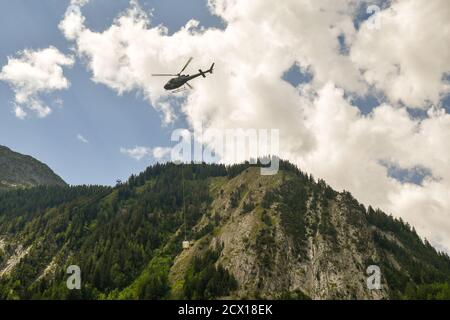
pixel 160 153
pixel 407 56
pixel 139 152
pixel 73 21
pixel 320 129
pixel 351 149
pixel 33 73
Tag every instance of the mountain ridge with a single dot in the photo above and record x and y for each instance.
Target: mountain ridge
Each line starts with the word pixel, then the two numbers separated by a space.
pixel 18 170
pixel 285 236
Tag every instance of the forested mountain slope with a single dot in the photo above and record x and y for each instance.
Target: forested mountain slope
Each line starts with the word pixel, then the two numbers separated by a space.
pixel 283 236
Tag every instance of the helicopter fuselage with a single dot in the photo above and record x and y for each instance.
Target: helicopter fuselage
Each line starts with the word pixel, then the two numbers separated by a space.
pixel 179 81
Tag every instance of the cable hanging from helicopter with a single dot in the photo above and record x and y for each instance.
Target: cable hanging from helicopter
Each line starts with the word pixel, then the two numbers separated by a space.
pixel 186 243
pixel 174 85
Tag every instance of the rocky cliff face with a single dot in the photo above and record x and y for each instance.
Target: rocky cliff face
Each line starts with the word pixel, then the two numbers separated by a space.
pixel 17 170
pixel 285 237
pixel 267 259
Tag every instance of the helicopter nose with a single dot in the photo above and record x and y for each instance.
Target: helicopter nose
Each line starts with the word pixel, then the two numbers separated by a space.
pixel 166 87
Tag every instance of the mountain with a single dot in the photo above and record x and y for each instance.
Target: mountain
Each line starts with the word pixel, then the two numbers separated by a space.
pixel 17 170
pixel 285 236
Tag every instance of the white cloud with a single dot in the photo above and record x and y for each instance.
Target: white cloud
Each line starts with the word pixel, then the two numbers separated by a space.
pixel 82 139
pixel 137 153
pixel 160 153
pixel 79 2
pixel 349 148
pixel 72 24
pixel 19 112
pixel 168 112
pixel 33 73
pixel 408 54
pixel 320 129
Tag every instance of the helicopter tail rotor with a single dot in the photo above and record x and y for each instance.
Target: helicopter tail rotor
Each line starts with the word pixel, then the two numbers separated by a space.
pixel 203 73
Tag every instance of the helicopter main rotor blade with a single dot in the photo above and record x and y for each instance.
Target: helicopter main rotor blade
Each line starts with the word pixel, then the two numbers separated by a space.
pixel 164 75
pixel 187 63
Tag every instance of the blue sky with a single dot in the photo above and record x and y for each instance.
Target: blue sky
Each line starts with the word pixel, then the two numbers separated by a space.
pixel 106 120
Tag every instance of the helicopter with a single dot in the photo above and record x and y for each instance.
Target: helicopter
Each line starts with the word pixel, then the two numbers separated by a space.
pixel 182 79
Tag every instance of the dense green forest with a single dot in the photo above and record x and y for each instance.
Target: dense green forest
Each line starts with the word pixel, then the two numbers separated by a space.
pixel 125 238
pixel 434 291
pixel 111 233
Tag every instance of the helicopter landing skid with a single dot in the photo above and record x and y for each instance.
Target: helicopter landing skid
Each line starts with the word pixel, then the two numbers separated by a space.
pixel 183 88
pixel 179 90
